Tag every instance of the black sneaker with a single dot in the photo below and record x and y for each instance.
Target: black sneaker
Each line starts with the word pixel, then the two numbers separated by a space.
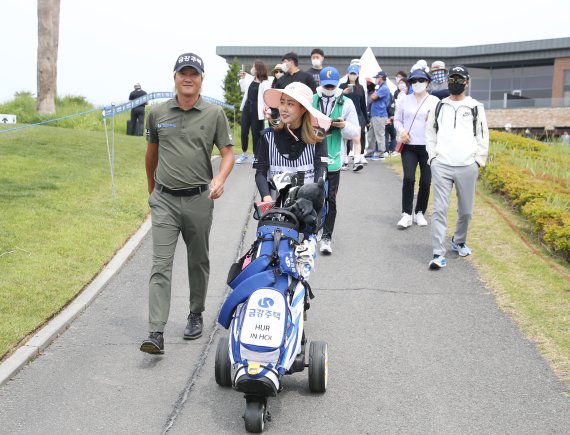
pixel 194 327
pixel 154 344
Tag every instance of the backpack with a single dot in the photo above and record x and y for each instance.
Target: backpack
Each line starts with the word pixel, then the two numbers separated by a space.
pixel 474 113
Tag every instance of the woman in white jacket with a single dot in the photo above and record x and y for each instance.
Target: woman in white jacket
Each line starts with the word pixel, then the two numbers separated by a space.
pixel 410 123
pixel 252 105
pixel 457 142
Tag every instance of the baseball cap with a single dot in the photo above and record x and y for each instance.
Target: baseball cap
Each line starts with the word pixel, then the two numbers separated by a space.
pixel 301 93
pixel 353 69
pixel 329 76
pixel 189 59
pixel 380 74
pixel 437 65
pixel 459 70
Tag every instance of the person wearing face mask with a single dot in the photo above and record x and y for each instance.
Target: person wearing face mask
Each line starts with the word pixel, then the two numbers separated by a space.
pixel 355 91
pixel 402 91
pixel 252 106
pixel 290 66
pixel 410 124
pixel 457 142
pixel 401 75
pixel 331 101
pixel 277 74
pixel 317 62
pixel 438 85
pixel 292 73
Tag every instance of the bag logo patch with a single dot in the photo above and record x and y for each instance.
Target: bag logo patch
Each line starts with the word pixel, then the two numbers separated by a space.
pixel 265 302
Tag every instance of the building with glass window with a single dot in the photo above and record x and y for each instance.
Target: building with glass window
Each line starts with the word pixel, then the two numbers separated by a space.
pixel 525 84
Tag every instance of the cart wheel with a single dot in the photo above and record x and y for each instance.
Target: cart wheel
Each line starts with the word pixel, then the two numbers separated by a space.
pixel 254 416
pixel 223 369
pixel 318 367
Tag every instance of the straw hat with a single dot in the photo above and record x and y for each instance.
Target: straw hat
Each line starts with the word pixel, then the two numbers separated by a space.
pixel 277 67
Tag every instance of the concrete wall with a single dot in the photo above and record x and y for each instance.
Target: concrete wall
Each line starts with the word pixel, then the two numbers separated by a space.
pixel 556 118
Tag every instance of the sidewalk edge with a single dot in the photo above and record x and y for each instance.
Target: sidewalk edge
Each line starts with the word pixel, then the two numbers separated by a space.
pixel 50 331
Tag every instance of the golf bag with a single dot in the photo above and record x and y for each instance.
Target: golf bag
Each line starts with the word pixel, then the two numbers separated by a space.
pixel 265 312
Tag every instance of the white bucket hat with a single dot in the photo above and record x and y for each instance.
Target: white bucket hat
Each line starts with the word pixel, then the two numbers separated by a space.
pixel 301 93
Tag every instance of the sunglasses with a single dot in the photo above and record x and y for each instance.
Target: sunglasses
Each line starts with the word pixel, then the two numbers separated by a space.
pixel 412 81
pixel 458 80
pixel 278 71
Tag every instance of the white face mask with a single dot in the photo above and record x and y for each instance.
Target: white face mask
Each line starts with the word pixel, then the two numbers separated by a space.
pixel 316 63
pixel 278 75
pixel 285 67
pixel 328 92
pixel 419 87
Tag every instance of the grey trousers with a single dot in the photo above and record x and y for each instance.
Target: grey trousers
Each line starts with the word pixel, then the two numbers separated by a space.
pixel 442 179
pixel 172 215
pixel 376 135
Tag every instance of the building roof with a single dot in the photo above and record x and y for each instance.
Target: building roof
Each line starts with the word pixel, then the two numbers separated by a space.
pixel 537 52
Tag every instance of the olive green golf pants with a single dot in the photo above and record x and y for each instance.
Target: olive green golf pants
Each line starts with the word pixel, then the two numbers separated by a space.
pixel 172 215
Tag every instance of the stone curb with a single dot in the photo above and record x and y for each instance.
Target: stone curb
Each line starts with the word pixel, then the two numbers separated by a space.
pixel 49 332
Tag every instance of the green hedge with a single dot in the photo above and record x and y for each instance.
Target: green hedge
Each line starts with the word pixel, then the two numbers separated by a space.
pixel 534 178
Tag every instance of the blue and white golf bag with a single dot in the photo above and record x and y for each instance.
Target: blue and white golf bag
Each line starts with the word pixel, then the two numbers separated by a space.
pixel 265 310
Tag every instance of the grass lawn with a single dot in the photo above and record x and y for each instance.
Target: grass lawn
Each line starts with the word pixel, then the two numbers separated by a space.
pixel 530 284
pixel 59 222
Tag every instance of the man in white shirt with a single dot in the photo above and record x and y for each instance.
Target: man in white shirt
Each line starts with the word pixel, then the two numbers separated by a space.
pixel 457 142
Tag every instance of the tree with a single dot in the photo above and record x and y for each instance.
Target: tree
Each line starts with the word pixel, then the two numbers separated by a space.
pixel 48 44
pixel 232 92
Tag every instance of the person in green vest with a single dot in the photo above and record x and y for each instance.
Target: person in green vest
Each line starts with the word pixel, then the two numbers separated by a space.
pixel 330 100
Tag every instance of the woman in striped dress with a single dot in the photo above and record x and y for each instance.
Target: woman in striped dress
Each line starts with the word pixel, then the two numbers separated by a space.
pixel 297 143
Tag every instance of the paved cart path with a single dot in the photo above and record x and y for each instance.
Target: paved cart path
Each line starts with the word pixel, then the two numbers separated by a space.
pixel 411 351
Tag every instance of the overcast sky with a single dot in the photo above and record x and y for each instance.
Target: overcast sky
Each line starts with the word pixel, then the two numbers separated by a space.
pixel 106 46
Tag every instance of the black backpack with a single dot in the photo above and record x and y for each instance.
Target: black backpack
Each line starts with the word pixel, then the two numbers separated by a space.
pixel 474 112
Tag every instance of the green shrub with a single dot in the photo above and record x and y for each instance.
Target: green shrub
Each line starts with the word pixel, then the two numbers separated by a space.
pixel 533 177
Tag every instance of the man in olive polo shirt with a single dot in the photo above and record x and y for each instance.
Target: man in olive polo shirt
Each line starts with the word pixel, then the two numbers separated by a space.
pixel 181 136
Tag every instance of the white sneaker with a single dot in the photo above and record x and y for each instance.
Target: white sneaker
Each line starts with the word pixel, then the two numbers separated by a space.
pixel 363 159
pixel 420 219
pixel 406 221
pixel 325 247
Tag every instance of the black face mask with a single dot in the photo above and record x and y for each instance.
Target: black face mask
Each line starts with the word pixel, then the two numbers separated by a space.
pixel 455 88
